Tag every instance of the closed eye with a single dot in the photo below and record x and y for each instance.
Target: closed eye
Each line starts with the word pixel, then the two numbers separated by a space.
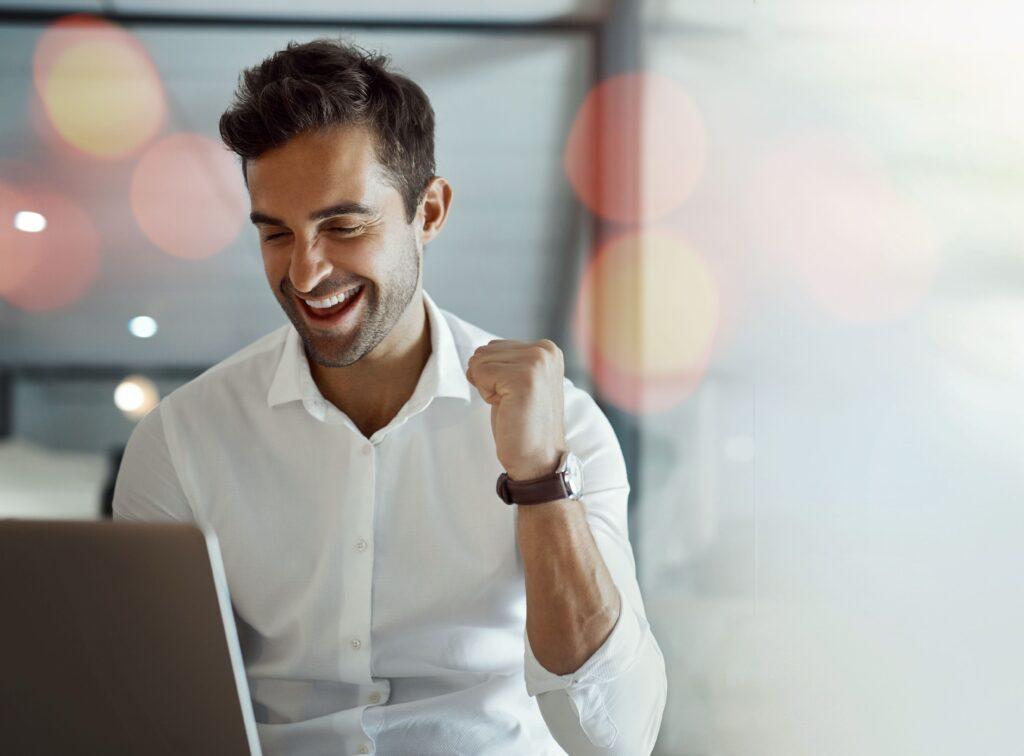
pixel 339 229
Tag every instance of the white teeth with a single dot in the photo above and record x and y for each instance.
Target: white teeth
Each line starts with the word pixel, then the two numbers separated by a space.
pixel 321 304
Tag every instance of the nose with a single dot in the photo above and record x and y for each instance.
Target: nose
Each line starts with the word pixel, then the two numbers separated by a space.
pixel 308 265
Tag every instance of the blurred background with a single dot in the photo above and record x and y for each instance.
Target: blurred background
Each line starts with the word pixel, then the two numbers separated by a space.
pixel 781 242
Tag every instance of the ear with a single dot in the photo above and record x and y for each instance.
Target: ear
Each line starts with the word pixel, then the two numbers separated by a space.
pixel 433 209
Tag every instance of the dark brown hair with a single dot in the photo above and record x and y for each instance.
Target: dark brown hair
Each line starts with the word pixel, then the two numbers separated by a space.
pixel 328 82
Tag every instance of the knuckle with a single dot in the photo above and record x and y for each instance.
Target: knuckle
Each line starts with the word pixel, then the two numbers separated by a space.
pixel 530 378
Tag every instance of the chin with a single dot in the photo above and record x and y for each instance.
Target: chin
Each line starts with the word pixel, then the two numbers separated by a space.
pixel 326 351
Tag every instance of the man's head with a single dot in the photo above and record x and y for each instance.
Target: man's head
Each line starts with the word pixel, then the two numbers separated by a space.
pixel 338 156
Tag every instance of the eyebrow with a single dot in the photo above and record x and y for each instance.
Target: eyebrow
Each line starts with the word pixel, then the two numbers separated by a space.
pixel 344 208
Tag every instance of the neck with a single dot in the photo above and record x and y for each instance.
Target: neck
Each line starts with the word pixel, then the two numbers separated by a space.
pixel 373 389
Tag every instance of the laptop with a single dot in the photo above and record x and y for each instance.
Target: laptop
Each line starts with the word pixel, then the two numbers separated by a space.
pixel 118 638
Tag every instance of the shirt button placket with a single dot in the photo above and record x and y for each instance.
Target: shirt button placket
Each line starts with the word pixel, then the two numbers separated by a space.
pixel 357 629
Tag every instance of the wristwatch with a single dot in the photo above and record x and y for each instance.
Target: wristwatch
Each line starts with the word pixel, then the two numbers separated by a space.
pixel 564 483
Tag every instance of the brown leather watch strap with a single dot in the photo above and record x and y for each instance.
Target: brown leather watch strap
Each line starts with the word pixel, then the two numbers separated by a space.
pixel 551 487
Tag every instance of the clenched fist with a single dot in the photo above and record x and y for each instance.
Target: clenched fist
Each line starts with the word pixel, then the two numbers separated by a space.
pixel 522 381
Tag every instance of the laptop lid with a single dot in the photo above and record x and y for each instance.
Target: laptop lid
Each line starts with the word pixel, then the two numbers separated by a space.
pixel 118 637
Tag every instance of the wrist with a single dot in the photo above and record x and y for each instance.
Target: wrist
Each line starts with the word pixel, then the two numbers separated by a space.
pixel 554 481
pixel 531 469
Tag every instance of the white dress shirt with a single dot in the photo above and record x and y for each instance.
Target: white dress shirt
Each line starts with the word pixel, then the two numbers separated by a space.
pixel 377 583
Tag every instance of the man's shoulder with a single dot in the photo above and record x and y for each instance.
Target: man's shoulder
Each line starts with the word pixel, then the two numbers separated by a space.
pixel 242 374
pixel 466 335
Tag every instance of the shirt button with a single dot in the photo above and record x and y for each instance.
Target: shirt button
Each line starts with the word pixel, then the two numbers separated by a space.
pixel 364 748
pixel 356 643
pixel 367 450
pixel 361 544
pixel 374 698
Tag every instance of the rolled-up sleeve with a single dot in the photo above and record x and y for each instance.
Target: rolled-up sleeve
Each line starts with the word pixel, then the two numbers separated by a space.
pixel 612 704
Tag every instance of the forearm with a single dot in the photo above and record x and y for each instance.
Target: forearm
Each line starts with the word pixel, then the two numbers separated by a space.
pixel 572 602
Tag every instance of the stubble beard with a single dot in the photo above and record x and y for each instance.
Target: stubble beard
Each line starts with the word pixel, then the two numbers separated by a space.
pixel 380 316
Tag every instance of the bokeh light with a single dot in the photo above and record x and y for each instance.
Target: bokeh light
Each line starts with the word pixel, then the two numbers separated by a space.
pixel 188 197
pixel 646 319
pixel 636 148
pixel 142 326
pixel 825 207
pixel 98 86
pixel 135 396
pixel 29 222
pixel 53 268
pixel 15 259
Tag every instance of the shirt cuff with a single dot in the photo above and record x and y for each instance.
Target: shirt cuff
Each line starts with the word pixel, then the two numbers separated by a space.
pixel 586 686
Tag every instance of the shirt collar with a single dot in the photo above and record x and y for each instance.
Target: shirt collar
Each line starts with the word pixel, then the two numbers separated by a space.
pixel 442 374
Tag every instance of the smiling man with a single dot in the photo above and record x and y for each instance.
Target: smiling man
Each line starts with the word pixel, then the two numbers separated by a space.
pixel 423 525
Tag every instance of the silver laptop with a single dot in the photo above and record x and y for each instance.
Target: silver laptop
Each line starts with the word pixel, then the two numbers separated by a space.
pixel 118 638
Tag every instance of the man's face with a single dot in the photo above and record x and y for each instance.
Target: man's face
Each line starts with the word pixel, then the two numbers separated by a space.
pixel 328 221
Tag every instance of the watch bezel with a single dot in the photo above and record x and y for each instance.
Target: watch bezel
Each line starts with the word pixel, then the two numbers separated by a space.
pixel 571 470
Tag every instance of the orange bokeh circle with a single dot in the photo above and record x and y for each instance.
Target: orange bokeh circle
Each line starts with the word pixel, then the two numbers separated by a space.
pixel 100 90
pixel 646 319
pixel 61 262
pixel 187 196
pixel 636 148
pixel 15 263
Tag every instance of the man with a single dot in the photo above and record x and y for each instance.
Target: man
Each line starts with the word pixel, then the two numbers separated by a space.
pixel 388 601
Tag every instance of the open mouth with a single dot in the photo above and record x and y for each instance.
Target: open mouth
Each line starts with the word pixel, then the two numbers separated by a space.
pixel 334 313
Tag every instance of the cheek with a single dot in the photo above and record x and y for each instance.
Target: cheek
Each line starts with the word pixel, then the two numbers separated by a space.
pixel 275 266
pixel 363 258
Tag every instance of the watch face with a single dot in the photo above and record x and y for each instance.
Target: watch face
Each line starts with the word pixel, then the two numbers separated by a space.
pixel 573 474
